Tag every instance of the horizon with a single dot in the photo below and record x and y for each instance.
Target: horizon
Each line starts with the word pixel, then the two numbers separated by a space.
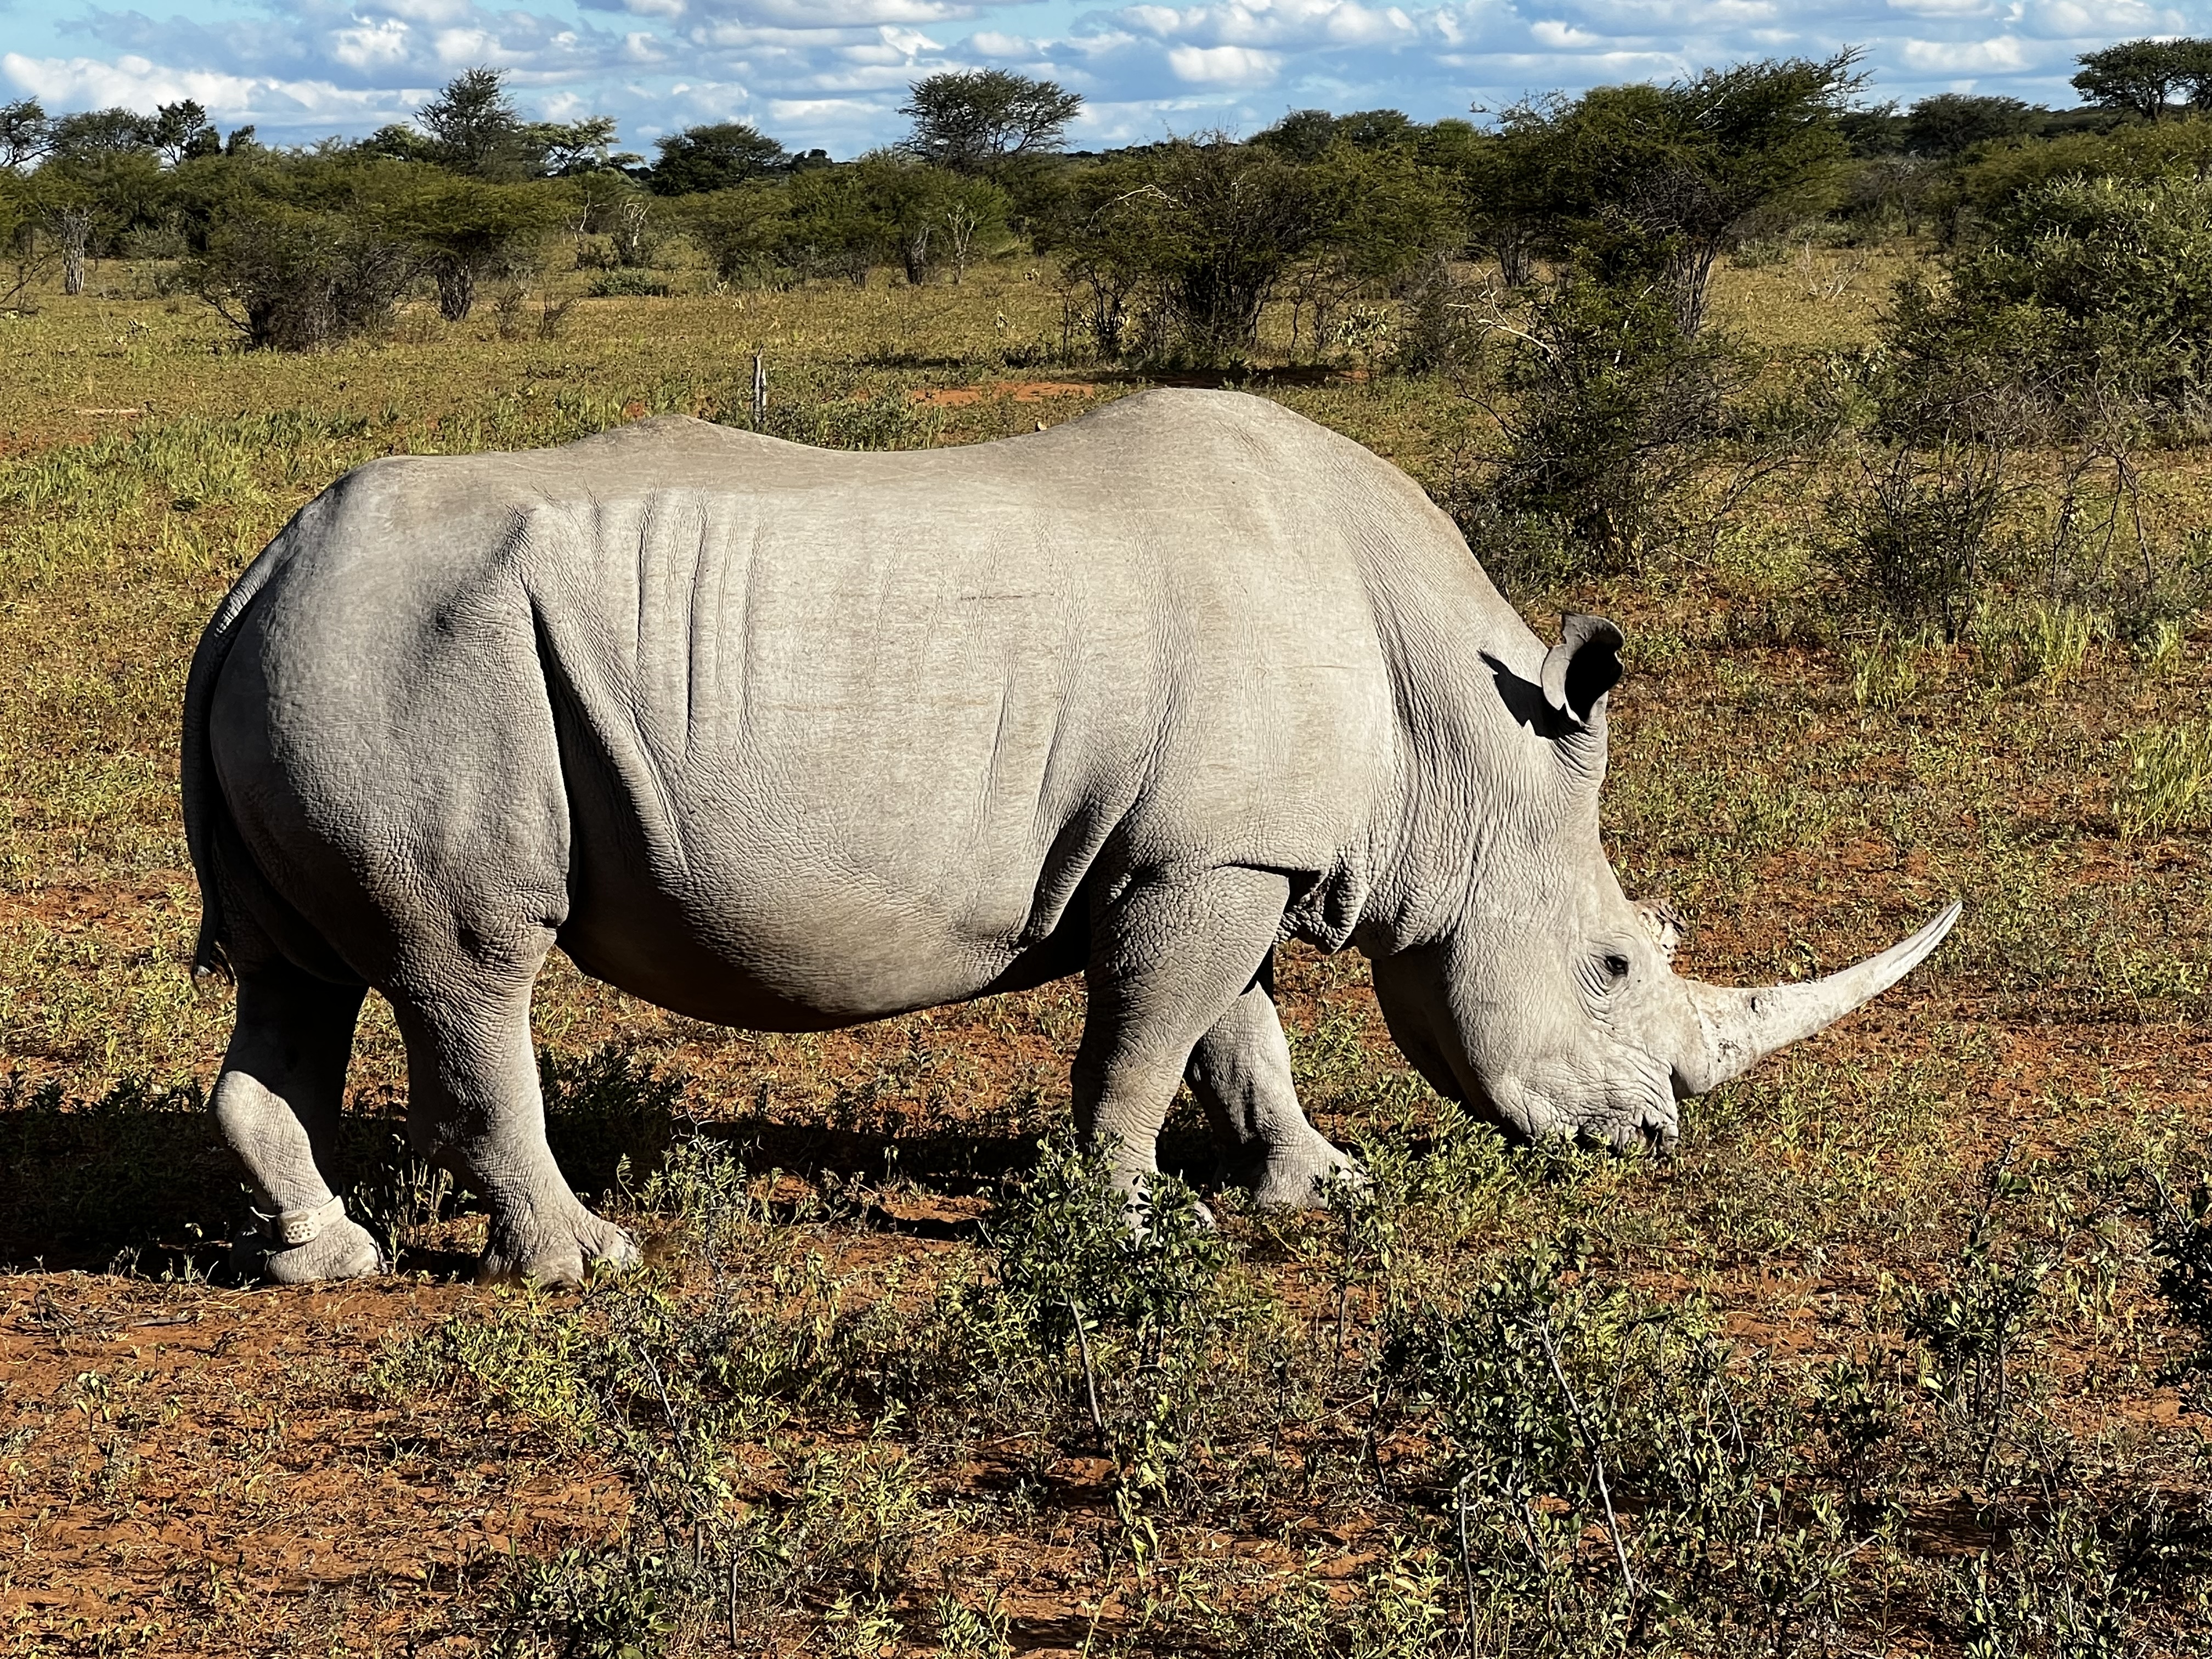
pixel 831 75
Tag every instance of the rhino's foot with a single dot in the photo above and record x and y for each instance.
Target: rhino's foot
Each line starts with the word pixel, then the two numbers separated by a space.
pixel 557 1250
pixel 341 1250
pixel 1298 1177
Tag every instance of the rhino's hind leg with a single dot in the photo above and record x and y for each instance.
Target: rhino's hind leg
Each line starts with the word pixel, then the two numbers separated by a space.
pixel 277 1102
pixel 474 1105
pixel 1168 960
pixel 1241 1072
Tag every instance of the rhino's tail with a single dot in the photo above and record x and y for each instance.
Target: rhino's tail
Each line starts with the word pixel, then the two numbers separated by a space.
pixel 206 811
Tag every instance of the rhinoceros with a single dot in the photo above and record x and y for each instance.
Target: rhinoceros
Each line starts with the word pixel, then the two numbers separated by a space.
pixel 790 740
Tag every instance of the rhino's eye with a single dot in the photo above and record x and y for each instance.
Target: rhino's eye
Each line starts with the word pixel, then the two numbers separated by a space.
pixel 1601 976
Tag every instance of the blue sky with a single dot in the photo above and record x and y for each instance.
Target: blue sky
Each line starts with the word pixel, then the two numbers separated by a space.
pixel 833 72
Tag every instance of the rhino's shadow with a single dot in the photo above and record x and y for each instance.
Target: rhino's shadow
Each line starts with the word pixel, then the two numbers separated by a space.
pixel 138 1180
pixel 146 1185
pixel 951 1164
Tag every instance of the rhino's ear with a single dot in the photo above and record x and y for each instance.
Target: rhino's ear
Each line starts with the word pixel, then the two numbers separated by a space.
pixel 1582 667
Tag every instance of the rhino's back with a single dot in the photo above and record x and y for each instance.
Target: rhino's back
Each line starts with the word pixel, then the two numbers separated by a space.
pixel 849 731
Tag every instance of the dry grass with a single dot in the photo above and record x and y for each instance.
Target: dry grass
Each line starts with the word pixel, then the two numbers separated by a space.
pixel 196 1468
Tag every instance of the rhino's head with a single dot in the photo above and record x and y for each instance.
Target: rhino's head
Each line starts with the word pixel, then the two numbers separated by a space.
pixel 1551 1005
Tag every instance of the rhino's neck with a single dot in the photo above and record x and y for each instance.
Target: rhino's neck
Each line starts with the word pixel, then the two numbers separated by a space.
pixel 1484 802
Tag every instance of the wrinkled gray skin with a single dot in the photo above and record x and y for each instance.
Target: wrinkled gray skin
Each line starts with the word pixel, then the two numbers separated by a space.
pixel 790 739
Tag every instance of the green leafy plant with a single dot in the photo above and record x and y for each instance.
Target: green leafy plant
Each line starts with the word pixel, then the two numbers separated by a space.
pixel 1974 1329
pixel 2181 1246
pixel 2083 290
pixel 1554 1399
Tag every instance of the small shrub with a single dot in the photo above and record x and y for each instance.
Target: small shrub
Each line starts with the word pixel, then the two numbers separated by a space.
pixel 628 283
pixel 1974 1330
pixel 1607 403
pixel 966 1632
pixel 2072 1583
pixel 595 1604
pixel 1110 1301
pixel 400 1204
pixel 1438 326
pixel 1918 535
pixel 292 280
pixel 507 308
pixel 890 420
pixel 1551 1399
pixel 2181 1246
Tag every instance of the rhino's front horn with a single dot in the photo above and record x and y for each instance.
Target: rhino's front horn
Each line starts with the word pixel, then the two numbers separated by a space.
pixel 1743 1027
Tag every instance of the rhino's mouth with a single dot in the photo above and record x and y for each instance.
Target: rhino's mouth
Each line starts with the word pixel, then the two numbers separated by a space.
pixel 1628 1107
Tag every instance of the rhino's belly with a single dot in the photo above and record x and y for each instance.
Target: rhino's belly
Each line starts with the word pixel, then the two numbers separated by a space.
pixel 793 946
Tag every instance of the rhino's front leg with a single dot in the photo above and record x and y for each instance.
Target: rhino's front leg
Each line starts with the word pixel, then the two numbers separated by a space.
pixel 1241 1072
pixel 474 1105
pixel 1169 959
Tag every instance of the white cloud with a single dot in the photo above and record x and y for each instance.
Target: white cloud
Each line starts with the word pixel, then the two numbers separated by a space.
pixel 135 83
pixel 1271 22
pixel 372 44
pixel 2003 55
pixel 1223 66
pixel 818 14
pixel 1944 8
pixel 2120 20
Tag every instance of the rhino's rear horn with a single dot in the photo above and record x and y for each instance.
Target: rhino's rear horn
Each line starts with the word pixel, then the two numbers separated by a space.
pixel 1741 1027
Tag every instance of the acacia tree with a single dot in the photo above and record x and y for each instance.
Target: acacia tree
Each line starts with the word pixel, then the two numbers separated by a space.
pixel 181 131
pixel 1953 123
pixel 1104 238
pixel 1507 197
pixel 1199 235
pixel 25 133
pixel 1661 180
pixel 1232 220
pixel 299 252
pixel 837 225
pixel 2143 76
pixel 101 177
pixel 564 149
pixel 716 156
pixel 473 125
pixel 464 230
pixel 744 230
pixel 977 121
